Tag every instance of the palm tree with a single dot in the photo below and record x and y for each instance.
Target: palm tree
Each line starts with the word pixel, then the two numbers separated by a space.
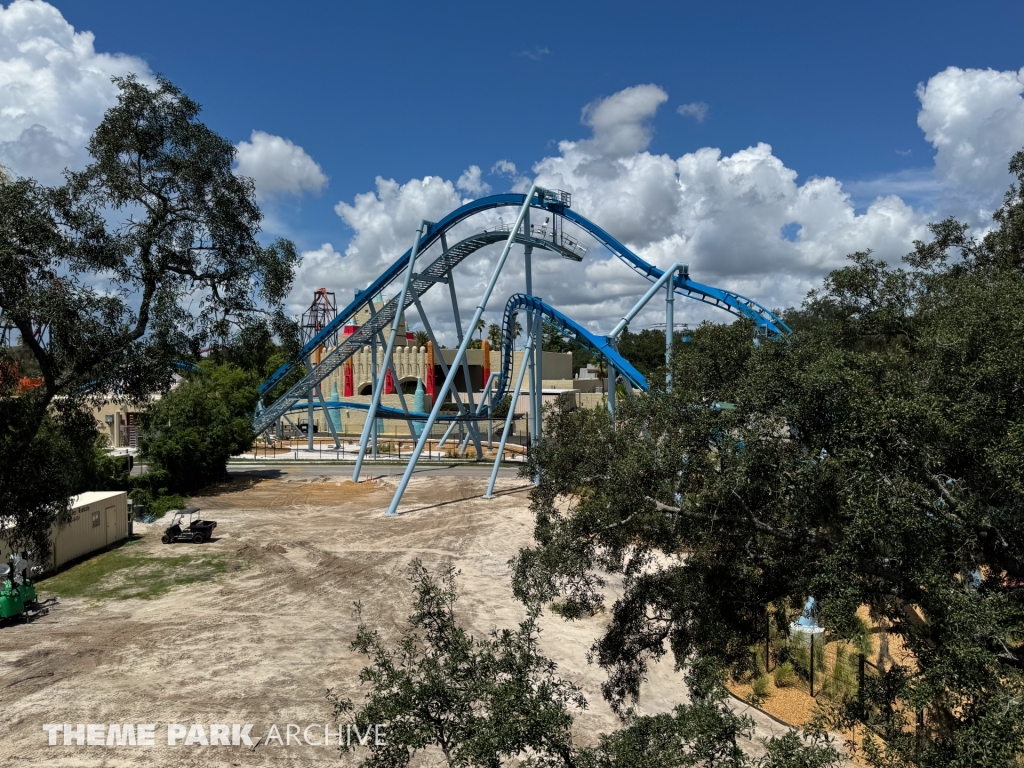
pixel 480 327
pixel 517 329
pixel 494 335
pixel 421 338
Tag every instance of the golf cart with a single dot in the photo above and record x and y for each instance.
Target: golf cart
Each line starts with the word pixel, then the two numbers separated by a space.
pixel 187 526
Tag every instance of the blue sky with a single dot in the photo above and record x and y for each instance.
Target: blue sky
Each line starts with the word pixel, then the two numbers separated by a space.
pixel 405 90
pixel 408 92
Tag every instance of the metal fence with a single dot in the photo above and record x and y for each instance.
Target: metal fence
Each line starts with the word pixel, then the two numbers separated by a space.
pixel 388 450
pixel 833 669
pixel 812 662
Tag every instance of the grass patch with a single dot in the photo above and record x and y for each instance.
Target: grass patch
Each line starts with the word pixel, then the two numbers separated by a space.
pixel 126 572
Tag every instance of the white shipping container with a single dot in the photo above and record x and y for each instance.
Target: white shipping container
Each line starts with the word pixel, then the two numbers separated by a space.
pixel 98 519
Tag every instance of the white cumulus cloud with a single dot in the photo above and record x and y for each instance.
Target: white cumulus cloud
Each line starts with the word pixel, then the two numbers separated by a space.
pixel 504 167
pixel 278 166
pixel 620 122
pixel 744 221
pixel 471 183
pixel 975 120
pixel 698 110
pixel 54 89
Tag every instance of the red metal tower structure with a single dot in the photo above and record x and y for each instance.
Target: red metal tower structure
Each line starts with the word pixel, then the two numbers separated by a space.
pixel 321 311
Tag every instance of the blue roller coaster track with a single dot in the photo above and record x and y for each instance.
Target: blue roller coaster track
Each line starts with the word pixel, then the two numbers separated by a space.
pixel 569 328
pixel 551 202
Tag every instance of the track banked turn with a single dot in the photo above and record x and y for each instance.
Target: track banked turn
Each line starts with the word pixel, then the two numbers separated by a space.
pixel 439 271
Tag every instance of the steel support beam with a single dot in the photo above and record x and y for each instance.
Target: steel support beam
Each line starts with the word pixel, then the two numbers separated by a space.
pixel 508 422
pixel 394 378
pixel 667 277
pixel 459 356
pixel 378 390
pixel 327 415
pixel 465 364
pixel 670 330
pixel 441 362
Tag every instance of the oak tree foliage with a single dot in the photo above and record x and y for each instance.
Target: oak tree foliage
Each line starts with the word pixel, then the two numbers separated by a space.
pixel 146 256
pixel 439 692
pixel 875 458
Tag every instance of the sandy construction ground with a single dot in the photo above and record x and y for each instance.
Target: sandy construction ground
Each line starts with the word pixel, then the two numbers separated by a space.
pixel 262 641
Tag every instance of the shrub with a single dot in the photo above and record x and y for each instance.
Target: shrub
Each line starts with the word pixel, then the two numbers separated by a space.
pixel 785 675
pixel 759 690
pixel 161 505
pixel 501 409
pixel 191 432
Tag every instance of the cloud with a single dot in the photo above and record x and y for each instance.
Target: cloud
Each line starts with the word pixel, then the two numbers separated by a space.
pixel 620 123
pixel 471 183
pixel 744 221
pixel 54 89
pixel 278 166
pixel 918 186
pixel 698 110
pixel 534 54
pixel 504 167
pixel 975 120
pixel 384 223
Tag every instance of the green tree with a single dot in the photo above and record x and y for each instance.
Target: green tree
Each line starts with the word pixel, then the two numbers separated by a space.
pixel 480 702
pixel 875 457
pixel 480 327
pixel 422 338
pixel 703 734
pixel 497 701
pixel 495 336
pixel 190 433
pixel 106 306
pixel 645 350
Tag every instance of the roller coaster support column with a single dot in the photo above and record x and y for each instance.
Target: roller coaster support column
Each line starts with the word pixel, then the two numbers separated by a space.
pixel 371 415
pixel 490 407
pixel 465 364
pixel 537 390
pixel 668 280
pixel 508 420
pixel 612 382
pixel 485 400
pixel 440 361
pixel 309 421
pixel 450 378
pixel 394 377
pixel 309 417
pixel 323 407
pixel 375 384
pixel 531 324
pixel 670 330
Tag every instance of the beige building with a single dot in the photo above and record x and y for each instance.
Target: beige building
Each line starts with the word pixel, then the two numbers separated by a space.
pixel 119 422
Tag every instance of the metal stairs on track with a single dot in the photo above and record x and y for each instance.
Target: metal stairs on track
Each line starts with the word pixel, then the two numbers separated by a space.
pixel 437 272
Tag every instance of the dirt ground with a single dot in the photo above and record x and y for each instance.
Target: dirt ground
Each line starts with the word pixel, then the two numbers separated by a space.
pixel 261 642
